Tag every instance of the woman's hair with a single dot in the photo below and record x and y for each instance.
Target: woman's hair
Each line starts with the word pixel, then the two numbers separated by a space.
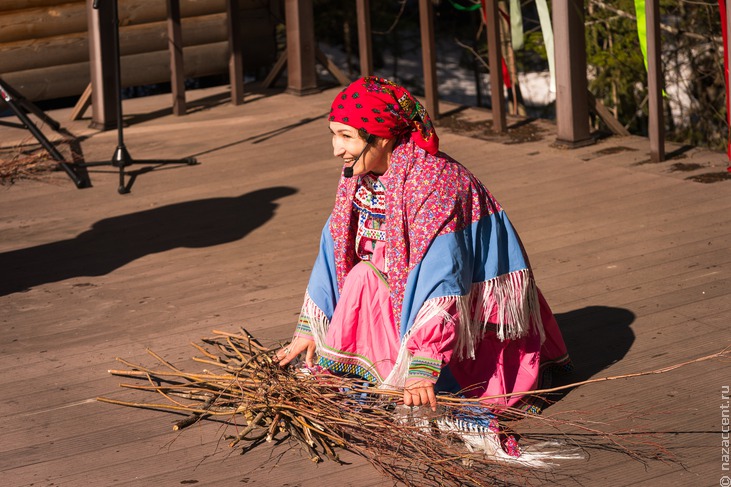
pixel 363 134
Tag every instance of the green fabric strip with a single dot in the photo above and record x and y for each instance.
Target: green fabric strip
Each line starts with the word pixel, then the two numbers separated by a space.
pixel 516 25
pixel 380 274
pixel 640 13
pixel 642 28
pixel 544 16
pixel 463 8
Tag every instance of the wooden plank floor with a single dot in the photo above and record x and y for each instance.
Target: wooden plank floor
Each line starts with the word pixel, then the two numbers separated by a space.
pixel 633 257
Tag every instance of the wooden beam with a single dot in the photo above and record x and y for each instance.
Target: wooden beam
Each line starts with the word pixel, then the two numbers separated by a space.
pixel 102 64
pixel 656 129
pixel 276 70
pixel 82 104
pixel 68 17
pixel 365 42
pixel 429 57
pixel 74 48
pixel 9 5
pixel 300 25
pixel 39 22
pixel 572 107
pixel 332 68
pixel 236 58
pixel 175 45
pixel 138 69
pixel 321 57
pixel 495 61
pixel 607 117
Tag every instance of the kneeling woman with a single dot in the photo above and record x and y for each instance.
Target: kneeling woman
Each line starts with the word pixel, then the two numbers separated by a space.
pixel 421 282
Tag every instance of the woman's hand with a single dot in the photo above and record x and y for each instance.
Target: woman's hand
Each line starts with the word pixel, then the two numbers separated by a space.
pixel 420 393
pixel 291 351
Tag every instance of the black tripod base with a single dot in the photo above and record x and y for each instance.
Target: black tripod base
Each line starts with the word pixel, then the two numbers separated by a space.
pixel 121 159
pixel 77 174
pixel 22 107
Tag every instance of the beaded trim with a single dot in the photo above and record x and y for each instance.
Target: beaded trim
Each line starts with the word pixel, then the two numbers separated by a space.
pixel 347 369
pixel 425 368
pixel 303 326
pixel 370 202
pixel 371 196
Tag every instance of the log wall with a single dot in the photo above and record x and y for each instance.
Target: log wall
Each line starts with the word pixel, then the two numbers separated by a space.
pixel 44 51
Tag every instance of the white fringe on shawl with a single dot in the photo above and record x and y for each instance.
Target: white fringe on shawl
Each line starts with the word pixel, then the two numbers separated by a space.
pixel 319 323
pixel 512 297
pixel 515 298
pixel 479 438
pixel 544 455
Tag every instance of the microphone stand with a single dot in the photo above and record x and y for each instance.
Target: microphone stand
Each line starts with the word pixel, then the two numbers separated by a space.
pixel 21 107
pixel 121 157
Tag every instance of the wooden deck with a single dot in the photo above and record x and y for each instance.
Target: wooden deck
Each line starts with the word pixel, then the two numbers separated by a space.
pixel 633 257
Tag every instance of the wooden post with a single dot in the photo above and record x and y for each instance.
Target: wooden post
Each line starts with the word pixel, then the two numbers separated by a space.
pixel 572 108
pixel 301 74
pixel 102 65
pixel 236 58
pixel 175 45
pixel 656 130
pixel 365 43
pixel 495 60
pixel 429 57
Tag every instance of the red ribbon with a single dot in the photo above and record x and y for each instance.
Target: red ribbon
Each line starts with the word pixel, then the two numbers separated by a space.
pixel 506 74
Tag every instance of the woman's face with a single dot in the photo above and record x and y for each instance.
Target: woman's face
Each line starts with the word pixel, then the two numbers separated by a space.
pixel 347 144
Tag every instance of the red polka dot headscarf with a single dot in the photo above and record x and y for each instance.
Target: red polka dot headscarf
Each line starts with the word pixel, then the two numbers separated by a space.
pixel 384 109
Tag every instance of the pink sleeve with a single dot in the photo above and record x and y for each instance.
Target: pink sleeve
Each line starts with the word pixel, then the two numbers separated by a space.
pixel 431 347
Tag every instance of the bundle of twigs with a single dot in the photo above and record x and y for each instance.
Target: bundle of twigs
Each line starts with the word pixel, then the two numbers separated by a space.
pixel 24 164
pixel 323 413
pixel 245 387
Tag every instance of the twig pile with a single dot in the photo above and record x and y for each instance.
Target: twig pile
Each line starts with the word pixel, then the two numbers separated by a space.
pixel 323 413
pixel 25 164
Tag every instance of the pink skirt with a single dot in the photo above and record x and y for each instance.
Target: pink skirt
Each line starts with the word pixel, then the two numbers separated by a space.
pixel 363 339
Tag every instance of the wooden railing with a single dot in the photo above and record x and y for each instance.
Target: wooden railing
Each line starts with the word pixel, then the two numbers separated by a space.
pixel 573 102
